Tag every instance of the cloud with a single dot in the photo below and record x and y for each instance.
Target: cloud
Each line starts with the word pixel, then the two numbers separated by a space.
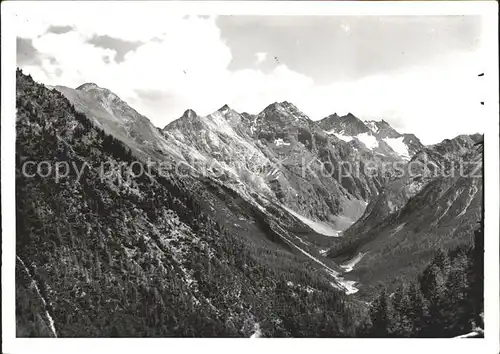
pixel 433 102
pixel 339 48
pixel 26 53
pixel 168 64
pixel 153 102
pixel 151 95
pixel 120 46
pixel 59 29
pixel 260 57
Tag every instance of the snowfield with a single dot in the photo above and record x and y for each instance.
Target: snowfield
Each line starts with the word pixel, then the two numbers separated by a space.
pixel 371 125
pixel 318 226
pixel 470 197
pixel 350 264
pixel 368 140
pixel 346 138
pixel 399 147
pixel 281 142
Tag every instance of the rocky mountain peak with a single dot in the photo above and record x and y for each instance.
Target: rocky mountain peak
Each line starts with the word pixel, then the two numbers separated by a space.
pixel 371 135
pixel 283 111
pixel 288 105
pixel 385 130
pixel 255 207
pixel 227 112
pixel 347 125
pixel 276 106
pixel 282 106
pixel 88 86
pixel 225 115
pixel 189 114
pixel 105 95
pixel 224 109
pixel 457 146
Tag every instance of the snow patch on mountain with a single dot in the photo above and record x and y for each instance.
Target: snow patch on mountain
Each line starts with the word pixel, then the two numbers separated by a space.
pixel 371 125
pixel 397 229
pixel 280 142
pixel 253 125
pixel 472 193
pixel 324 252
pixel 368 140
pixel 349 286
pixel 346 138
pixel 398 146
pixel 319 227
pixel 448 204
pixel 350 264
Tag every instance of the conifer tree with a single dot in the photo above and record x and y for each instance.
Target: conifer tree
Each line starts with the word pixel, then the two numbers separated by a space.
pixel 380 316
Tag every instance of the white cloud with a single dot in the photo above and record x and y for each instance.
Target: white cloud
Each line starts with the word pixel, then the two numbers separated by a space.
pixel 260 57
pixel 187 63
pixel 433 102
pixel 101 18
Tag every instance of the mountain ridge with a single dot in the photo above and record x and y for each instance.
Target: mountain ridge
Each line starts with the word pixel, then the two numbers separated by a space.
pixel 261 157
pixel 130 257
pixel 268 204
pixel 259 137
pixel 436 203
pixel 377 136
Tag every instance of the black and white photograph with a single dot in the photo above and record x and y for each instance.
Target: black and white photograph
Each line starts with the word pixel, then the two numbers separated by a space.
pixel 185 171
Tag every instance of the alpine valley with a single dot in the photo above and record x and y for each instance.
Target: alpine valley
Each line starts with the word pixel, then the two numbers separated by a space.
pixel 239 224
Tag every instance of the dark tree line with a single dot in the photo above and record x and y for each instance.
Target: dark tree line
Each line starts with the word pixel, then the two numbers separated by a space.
pixel 445 301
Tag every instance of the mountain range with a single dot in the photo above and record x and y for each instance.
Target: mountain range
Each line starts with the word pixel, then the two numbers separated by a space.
pixel 254 212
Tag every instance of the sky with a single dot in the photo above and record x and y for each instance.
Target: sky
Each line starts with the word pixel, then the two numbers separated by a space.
pixel 419 73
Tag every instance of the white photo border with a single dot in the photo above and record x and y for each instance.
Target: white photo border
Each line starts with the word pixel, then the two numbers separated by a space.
pixel 490 344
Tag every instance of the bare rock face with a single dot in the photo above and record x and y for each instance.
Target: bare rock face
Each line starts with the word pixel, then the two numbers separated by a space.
pixel 349 124
pixel 282 155
pixel 116 117
pixel 377 137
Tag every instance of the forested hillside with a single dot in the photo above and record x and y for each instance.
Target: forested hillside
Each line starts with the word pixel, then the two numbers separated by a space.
pixel 415 215
pixel 103 250
pixel 447 300
pixel 130 256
